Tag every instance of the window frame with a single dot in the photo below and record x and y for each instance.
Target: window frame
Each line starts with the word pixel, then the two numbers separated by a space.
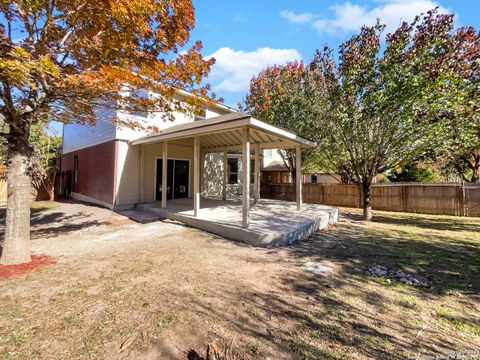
pixel 252 171
pixel 75 169
pixel 231 160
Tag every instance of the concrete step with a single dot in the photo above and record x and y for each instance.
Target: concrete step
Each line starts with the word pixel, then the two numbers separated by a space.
pixel 141 216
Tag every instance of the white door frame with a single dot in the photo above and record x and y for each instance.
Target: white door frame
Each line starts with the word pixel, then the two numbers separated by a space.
pixel 155 180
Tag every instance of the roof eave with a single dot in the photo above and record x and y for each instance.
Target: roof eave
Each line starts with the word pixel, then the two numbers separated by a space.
pixel 231 124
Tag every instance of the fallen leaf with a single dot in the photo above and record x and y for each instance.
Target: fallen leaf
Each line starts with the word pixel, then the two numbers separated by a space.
pixel 145 336
pixel 126 343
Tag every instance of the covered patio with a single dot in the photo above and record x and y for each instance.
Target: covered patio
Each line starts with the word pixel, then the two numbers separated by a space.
pixel 262 222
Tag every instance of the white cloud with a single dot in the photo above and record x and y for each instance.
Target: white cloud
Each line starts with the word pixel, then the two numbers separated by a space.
pixel 240 17
pixel 348 16
pixel 300 18
pixel 233 69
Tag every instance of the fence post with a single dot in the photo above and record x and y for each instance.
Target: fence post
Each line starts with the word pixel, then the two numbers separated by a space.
pixel 462 199
pixel 360 203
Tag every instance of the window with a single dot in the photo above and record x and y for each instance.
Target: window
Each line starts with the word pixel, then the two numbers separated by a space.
pixel 75 169
pixel 232 167
pixel 286 178
pixel 252 171
pixel 314 178
pixel 268 153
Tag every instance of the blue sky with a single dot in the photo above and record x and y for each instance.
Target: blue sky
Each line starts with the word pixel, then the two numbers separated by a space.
pixel 245 36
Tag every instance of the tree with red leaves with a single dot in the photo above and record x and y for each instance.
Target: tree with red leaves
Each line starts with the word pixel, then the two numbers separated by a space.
pixel 277 96
pixel 382 105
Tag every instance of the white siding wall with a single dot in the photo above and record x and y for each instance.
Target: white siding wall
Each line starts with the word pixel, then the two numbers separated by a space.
pixel 270 157
pixel 128 174
pixel 77 136
pixel 125 133
pixel 212 112
pixel 81 136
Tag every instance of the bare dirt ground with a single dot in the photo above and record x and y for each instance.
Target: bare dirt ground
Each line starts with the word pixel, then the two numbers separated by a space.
pixel 123 290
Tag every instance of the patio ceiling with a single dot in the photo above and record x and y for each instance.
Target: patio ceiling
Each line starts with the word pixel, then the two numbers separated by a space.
pixel 225 132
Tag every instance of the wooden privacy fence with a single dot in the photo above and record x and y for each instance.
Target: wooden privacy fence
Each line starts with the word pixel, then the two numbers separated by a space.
pixel 36 194
pixel 441 199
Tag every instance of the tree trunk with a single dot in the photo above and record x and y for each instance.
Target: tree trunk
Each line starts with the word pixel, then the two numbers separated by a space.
pixel 16 247
pixel 476 169
pixel 293 175
pixel 367 200
pixel 475 177
pixel 51 194
pixel 288 159
pixel 51 189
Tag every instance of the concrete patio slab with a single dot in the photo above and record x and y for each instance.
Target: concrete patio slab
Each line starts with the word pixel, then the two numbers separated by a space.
pixel 140 216
pixel 272 222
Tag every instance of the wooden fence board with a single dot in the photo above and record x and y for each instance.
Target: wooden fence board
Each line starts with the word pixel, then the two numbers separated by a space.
pixel 442 199
pixel 36 194
pixel 472 200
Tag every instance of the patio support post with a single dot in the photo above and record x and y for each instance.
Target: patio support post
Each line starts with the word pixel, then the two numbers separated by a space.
pixel 256 173
pixel 246 177
pixel 196 176
pixel 164 174
pixel 225 175
pixel 142 189
pixel 298 169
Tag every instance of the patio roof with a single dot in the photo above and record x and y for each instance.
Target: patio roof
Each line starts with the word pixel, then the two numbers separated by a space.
pixel 225 131
pixel 235 131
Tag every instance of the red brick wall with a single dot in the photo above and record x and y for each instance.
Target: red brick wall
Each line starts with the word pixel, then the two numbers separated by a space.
pixel 96 170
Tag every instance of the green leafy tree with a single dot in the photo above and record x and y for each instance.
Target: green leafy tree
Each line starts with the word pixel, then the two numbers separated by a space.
pixel 387 107
pixel 379 106
pixel 461 159
pixel 45 159
pixel 412 172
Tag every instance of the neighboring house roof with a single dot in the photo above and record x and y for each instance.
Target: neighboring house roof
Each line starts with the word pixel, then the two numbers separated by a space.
pixel 229 126
pixel 275 166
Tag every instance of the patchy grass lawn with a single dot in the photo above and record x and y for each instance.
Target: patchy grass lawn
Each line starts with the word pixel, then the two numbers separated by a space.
pixel 36 207
pixel 40 206
pixel 179 289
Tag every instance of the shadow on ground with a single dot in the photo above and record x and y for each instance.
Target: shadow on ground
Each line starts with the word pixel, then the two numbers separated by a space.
pixel 332 310
pixel 293 313
pixel 292 324
pixel 54 219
